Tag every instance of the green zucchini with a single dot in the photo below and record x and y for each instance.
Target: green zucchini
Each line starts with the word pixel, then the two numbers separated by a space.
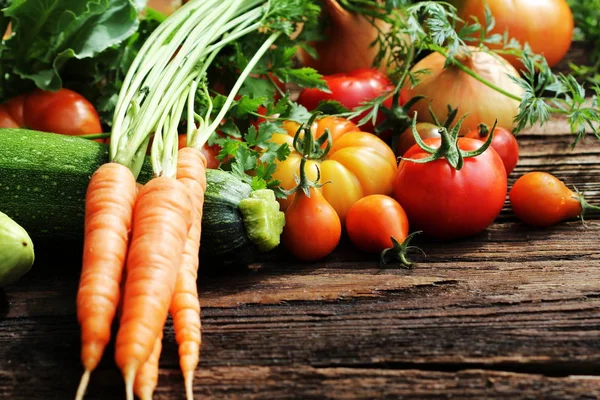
pixel 231 207
pixel 44 178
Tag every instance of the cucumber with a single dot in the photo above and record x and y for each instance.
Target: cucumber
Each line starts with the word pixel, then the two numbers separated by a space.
pixel 44 178
pixel 16 251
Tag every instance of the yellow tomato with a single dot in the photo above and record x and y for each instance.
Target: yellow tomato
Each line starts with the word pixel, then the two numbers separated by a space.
pixel 357 165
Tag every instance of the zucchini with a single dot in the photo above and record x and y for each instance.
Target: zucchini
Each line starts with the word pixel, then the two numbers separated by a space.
pixel 231 207
pixel 16 251
pixel 44 178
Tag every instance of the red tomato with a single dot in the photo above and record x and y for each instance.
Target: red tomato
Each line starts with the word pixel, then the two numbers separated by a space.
pixel 373 220
pixel 351 89
pixel 504 142
pixel 547 25
pixel 11 113
pixel 65 112
pixel 540 199
pixel 448 203
pixel 312 227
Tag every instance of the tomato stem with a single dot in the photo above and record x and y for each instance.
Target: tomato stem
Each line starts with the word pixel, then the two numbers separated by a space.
pixel 585 206
pixel 449 148
pixel 399 251
pixel 305 144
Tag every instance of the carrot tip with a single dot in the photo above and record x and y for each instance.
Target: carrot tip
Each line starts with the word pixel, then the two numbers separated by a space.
pixel 189 387
pixel 129 381
pixel 83 384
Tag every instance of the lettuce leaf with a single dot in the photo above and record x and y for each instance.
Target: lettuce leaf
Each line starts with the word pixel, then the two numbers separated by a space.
pixel 49 33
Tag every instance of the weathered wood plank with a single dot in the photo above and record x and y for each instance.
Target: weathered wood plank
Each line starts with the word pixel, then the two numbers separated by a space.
pixel 304 382
pixel 560 260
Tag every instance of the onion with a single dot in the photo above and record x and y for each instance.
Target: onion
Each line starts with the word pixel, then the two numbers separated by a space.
pixel 455 87
pixel 347 46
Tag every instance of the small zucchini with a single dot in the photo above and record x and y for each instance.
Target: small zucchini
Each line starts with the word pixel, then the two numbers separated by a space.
pixel 237 223
pixel 16 251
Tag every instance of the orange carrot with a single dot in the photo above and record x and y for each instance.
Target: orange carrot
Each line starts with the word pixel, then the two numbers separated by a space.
pixel 161 220
pixel 109 205
pixel 185 306
pixel 147 376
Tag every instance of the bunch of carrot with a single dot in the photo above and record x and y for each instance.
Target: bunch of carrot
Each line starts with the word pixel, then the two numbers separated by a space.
pixel 149 241
pixel 141 243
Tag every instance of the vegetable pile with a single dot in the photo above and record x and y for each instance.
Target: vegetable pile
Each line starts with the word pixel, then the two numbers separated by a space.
pixel 229 128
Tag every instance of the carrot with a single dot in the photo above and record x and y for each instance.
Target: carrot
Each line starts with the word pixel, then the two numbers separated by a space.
pixel 109 205
pixel 185 306
pixel 147 376
pixel 161 220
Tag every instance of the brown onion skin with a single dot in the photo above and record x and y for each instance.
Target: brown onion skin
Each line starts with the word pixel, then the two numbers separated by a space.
pixel 454 87
pixel 347 46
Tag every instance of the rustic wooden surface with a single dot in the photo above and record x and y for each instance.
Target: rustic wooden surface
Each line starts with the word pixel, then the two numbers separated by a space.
pixel 511 313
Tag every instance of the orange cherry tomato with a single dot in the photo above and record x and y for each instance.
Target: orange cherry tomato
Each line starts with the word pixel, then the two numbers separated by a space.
pixel 547 25
pixel 312 227
pixel 540 199
pixel 373 220
pixel 358 164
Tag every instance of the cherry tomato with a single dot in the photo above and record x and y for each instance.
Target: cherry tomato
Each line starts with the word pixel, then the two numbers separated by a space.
pixel 406 140
pixel 547 25
pixel 312 227
pixel 448 203
pixel 358 163
pixel 540 199
pixel 373 220
pixel 65 112
pixel 351 89
pixel 504 142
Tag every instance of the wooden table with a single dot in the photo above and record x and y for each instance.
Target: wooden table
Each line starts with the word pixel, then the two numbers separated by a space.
pixel 511 313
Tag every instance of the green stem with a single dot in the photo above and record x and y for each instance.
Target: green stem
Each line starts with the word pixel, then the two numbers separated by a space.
pixel 153 56
pixel 399 251
pixel 481 79
pixel 205 133
pixel 184 49
pixel 472 73
pixel 585 206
